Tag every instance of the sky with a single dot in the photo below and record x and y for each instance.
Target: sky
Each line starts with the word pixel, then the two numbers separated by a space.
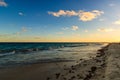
pixel 59 20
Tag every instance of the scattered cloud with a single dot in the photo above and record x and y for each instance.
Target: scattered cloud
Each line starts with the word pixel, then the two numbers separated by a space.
pixel 83 15
pixel 21 14
pixel 117 22
pixel 63 13
pixel 89 16
pixel 75 28
pixel 111 4
pixel 105 30
pixel 3 3
pixel 8 35
pixel 23 30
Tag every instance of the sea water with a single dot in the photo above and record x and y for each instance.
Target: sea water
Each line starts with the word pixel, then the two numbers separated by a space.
pixel 28 53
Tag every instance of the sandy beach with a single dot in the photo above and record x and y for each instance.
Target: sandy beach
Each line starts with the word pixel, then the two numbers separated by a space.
pixel 105 66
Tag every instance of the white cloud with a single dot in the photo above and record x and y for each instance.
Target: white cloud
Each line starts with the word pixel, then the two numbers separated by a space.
pixel 117 22
pixel 63 13
pixel 111 4
pixel 97 12
pixel 21 14
pixel 83 16
pixel 75 28
pixel 105 29
pixel 3 3
pixel 88 16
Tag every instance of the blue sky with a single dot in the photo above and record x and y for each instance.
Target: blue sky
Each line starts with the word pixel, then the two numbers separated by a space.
pixel 59 20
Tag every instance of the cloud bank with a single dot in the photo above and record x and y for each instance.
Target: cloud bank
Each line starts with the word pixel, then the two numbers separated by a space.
pixel 82 15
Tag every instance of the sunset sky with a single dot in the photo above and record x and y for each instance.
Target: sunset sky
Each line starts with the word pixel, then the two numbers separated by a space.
pixel 59 20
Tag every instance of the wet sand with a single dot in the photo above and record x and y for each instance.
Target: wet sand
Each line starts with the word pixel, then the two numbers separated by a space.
pixel 38 71
pixel 105 66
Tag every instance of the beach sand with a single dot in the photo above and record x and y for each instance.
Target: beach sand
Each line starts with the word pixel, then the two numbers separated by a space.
pixel 105 66
pixel 38 71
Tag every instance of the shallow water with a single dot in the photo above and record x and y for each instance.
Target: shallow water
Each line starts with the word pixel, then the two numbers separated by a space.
pixel 25 53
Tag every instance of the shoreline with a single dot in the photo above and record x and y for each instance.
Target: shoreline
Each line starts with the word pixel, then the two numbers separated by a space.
pixel 97 68
pixel 65 54
pixel 92 69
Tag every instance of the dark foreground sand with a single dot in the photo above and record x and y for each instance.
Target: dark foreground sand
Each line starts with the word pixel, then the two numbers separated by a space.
pixel 105 66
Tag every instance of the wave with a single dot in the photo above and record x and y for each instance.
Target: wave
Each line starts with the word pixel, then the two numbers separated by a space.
pixel 41 53
pixel 9 49
pixel 7 54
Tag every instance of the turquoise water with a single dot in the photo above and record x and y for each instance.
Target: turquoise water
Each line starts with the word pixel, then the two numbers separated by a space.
pixel 27 53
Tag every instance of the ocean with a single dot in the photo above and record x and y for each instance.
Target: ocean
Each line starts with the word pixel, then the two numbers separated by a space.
pixel 12 54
